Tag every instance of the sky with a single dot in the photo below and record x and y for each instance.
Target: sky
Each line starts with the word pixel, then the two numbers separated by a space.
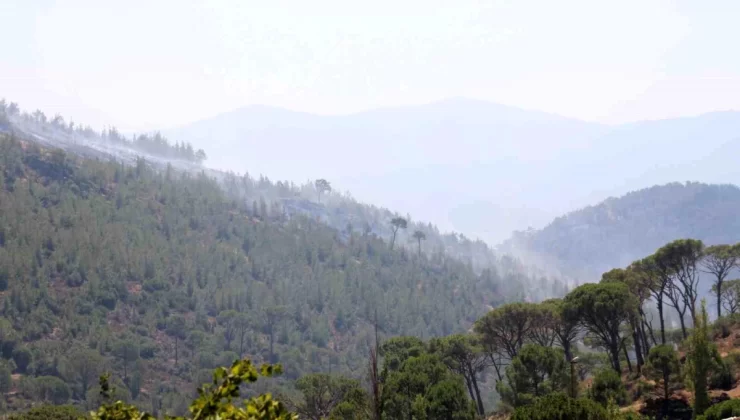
pixel 142 65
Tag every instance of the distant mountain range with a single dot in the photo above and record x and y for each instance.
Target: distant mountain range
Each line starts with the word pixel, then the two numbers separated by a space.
pixel 620 230
pixel 476 167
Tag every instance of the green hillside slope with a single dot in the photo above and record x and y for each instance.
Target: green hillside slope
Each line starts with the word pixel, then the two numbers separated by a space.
pixel 159 276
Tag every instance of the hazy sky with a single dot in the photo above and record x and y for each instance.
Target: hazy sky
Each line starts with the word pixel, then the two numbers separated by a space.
pixel 158 63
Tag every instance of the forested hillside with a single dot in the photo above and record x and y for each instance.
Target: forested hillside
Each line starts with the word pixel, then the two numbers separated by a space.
pixel 317 199
pixel 161 276
pixel 42 126
pixel 619 230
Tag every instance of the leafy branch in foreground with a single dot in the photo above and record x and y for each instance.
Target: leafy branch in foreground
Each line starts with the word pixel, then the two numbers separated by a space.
pixel 214 402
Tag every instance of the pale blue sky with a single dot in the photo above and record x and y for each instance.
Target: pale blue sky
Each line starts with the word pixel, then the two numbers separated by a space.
pixel 159 63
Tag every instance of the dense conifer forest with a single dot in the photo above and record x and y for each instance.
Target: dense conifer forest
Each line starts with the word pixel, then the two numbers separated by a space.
pixel 125 286
pixel 161 277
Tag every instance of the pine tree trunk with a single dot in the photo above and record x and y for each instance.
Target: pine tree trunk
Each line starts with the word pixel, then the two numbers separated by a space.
pixel 683 326
pixel 627 357
pixel 614 353
pixel 719 299
pixel 665 383
pixel 478 398
pixel 470 387
pixel 567 351
pixel 662 321
pixel 638 345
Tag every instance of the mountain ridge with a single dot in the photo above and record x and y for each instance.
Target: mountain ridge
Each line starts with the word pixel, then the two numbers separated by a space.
pixel 618 230
pixel 491 168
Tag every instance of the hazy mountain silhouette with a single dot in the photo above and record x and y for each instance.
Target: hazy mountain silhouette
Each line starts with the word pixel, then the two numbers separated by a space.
pixel 481 168
pixel 620 230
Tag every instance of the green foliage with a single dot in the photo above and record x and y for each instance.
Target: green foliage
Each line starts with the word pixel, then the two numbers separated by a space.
pixel 557 406
pixel 161 276
pixel 719 260
pixel 565 329
pixel 607 386
pixel 534 372
pixel 463 355
pixel 324 395
pixel 681 257
pixel 423 387
pixel 6 381
pixel 396 350
pixel 354 406
pixel 662 362
pixel 127 268
pixel 22 357
pixel 506 328
pixel 602 308
pixel 591 362
pixel 50 412
pixel 214 402
pixel 52 389
pixel 447 399
pixel 724 410
pixel 729 296
pixel 701 358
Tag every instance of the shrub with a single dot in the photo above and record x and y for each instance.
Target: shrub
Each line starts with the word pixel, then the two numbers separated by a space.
pixel 215 401
pixel 723 410
pixel 52 389
pixel 722 378
pixel 535 371
pixel 148 350
pixel 22 358
pixel 732 361
pixel 558 406
pixel 721 327
pixel 662 364
pixel 50 412
pixel 607 386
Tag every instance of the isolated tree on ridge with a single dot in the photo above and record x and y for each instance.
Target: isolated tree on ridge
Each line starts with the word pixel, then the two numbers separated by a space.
pixel 322 186
pixel 397 223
